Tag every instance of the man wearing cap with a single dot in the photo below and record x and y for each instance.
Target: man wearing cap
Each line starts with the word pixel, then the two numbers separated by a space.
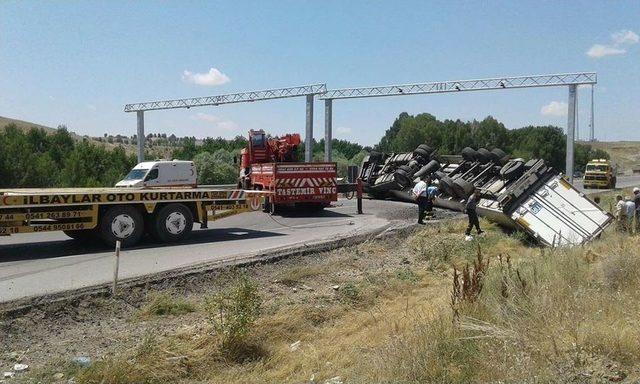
pixel 636 199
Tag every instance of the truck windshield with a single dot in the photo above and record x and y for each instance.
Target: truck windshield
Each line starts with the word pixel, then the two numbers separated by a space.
pixel 136 174
pixel 597 168
pixel 257 141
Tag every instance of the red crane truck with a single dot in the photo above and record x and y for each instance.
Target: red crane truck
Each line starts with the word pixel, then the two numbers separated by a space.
pixel 271 164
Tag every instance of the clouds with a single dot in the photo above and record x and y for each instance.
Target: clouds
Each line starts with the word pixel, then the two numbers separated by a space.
pixel 343 131
pixel 211 78
pixel 619 41
pixel 216 121
pixel 205 117
pixel 555 109
pixel 625 37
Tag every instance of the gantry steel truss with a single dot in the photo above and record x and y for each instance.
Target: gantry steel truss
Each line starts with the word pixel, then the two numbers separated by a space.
pixel 552 80
pixel 571 80
pixel 241 97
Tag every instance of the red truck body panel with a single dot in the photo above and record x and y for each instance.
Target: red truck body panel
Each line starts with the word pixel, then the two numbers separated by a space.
pixel 297 182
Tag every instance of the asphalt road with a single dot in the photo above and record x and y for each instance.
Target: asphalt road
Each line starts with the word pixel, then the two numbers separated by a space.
pixel 45 263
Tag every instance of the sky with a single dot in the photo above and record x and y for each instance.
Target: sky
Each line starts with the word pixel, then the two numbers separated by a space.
pixel 78 62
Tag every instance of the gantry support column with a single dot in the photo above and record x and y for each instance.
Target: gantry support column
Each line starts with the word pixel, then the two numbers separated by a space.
pixel 327 129
pixel 141 137
pixel 308 140
pixel 592 136
pixel 571 128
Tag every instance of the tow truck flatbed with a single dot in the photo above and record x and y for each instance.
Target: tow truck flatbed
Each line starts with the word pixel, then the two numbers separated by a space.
pixel 121 214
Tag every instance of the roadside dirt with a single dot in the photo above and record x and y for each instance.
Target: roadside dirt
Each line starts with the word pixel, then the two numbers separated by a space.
pixel 48 337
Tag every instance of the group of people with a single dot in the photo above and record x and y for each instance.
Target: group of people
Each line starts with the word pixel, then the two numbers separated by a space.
pixel 626 210
pixel 424 194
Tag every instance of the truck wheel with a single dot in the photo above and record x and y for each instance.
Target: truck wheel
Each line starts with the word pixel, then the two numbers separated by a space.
pixel 501 156
pixel 463 188
pixel 512 170
pixel 469 154
pixel 122 223
pixel 172 223
pixel 483 155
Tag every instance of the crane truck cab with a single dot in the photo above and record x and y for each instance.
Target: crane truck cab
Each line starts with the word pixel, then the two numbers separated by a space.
pixel 161 173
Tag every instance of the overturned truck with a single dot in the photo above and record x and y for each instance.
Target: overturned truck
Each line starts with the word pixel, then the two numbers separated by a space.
pixel 526 195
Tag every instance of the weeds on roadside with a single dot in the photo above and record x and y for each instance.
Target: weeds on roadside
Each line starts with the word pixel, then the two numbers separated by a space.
pixel 233 313
pixel 468 283
pixel 166 304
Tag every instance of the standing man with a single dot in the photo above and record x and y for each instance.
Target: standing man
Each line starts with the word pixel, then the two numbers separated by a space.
pixel 420 195
pixel 470 210
pixel 631 212
pixel 620 214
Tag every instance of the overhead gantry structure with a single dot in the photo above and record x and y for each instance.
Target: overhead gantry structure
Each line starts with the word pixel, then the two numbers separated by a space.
pixel 571 80
pixel 308 91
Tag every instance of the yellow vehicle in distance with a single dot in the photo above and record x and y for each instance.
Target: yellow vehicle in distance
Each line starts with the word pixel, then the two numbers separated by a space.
pixel 599 173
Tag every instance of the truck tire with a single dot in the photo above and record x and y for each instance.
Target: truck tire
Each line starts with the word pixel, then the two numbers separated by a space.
pixel 446 185
pixel 469 154
pixel 500 155
pixel 121 222
pixel 172 223
pixel 512 170
pixel 463 188
pixel 419 152
pixel 483 155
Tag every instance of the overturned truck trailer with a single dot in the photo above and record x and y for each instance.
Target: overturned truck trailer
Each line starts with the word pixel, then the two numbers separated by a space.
pixel 526 195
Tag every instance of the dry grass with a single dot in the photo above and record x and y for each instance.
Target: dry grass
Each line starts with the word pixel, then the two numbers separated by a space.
pixel 536 315
pixel 165 304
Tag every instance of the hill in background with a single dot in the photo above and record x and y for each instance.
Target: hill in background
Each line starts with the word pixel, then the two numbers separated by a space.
pixel 626 154
pixel 23 125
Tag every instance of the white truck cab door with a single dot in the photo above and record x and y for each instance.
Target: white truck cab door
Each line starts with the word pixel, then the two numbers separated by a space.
pixel 152 178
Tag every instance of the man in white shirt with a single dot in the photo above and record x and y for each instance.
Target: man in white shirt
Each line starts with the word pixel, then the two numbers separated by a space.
pixel 630 206
pixel 420 194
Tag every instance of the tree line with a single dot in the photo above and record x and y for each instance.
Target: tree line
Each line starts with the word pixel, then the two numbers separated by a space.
pixel 36 158
pixel 451 136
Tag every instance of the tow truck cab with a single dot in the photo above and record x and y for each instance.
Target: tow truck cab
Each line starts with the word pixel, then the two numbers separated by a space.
pixel 599 173
pixel 162 173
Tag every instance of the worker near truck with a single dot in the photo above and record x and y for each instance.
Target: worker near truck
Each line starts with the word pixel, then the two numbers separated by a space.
pixel 630 206
pixel 421 196
pixel 620 214
pixel 472 214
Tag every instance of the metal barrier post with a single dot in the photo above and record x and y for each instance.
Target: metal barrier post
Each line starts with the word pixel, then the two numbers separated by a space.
pixel 359 195
pixel 115 270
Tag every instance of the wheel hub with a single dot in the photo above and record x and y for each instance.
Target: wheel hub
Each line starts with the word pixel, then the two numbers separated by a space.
pixel 175 223
pixel 123 226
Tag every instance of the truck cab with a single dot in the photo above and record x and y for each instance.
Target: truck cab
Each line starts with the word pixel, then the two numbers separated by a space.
pixel 599 173
pixel 162 173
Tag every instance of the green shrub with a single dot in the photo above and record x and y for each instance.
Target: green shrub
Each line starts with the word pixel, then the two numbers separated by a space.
pixel 233 312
